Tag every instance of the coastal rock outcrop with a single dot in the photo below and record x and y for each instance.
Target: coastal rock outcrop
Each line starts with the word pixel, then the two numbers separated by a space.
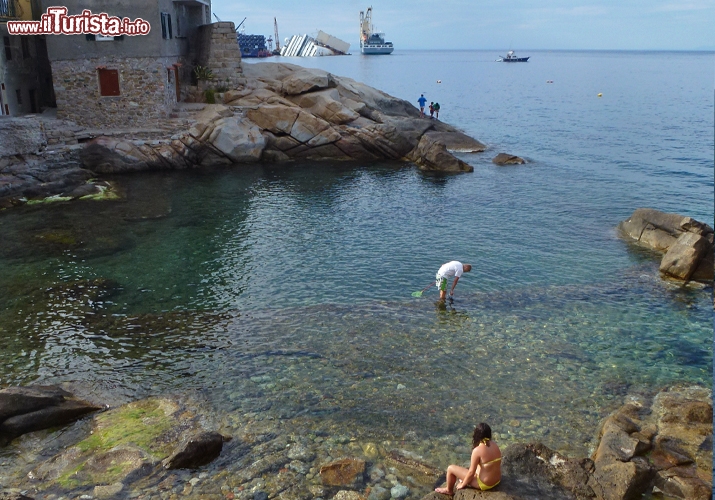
pixel 686 244
pixel 660 445
pixel 286 112
pixel 278 112
pixel 130 442
pixel 33 408
pixel 507 159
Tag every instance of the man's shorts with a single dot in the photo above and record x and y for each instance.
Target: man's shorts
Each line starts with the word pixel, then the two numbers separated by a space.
pixel 441 283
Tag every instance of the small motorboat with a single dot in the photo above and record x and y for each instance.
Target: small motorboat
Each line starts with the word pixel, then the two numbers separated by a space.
pixel 510 57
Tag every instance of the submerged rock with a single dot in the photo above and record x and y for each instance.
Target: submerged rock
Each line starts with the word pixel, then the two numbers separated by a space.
pixel 197 450
pixel 33 408
pixel 687 244
pixel 507 159
pixel 348 472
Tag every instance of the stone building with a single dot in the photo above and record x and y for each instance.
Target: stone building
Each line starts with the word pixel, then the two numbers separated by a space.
pixel 25 77
pixel 128 81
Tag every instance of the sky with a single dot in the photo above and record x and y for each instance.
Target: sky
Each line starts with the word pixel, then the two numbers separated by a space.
pixel 491 24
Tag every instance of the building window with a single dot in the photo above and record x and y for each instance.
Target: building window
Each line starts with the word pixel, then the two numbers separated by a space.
pixel 25 43
pixel 18 93
pixel 8 48
pixel 166 26
pixel 108 82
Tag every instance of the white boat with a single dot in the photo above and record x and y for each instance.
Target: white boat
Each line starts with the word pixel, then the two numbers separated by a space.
pixel 511 57
pixel 372 42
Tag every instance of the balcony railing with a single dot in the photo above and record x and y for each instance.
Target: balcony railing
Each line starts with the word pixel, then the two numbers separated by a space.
pixel 9 9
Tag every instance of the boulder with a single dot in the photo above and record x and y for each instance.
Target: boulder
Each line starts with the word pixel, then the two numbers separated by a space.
pixel 457 141
pixel 306 80
pixel 21 136
pixel 108 155
pixel 345 473
pixel 240 140
pixel 432 155
pixel 307 127
pixel 615 480
pixel 684 256
pixel 195 451
pixel 326 105
pixel 33 408
pixel 275 118
pixel 415 467
pixel 686 243
pixel 507 159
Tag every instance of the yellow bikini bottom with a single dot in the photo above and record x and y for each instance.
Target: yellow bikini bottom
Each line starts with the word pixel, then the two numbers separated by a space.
pixel 485 487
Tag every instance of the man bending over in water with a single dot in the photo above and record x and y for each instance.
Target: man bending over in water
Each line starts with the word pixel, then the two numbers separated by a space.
pixel 454 268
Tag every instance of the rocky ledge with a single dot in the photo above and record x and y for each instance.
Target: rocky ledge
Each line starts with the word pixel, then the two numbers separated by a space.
pixel 280 112
pixel 685 243
pixel 660 446
pixel 286 112
pixel 657 445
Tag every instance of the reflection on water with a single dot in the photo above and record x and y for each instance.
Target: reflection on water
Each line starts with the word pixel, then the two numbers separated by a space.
pixel 285 294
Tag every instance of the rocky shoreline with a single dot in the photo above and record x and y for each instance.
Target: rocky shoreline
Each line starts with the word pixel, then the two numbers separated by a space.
pixel 279 113
pixel 158 448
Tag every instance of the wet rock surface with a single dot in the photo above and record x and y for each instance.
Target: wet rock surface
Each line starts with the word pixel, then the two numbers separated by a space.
pixel 686 244
pixel 127 444
pixel 508 159
pixel 651 445
pixel 33 408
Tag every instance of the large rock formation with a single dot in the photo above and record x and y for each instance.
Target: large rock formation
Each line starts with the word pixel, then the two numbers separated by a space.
pixel 661 445
pixel 686 244
pixel 33 408
pixel 128 443
pixel 285 112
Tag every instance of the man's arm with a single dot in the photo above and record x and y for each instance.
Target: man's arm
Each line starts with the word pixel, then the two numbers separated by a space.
pixel 454 284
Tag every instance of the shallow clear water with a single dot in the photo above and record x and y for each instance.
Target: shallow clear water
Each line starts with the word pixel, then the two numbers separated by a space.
pixel 285 292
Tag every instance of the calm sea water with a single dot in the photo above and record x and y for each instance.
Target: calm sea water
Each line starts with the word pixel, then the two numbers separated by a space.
pixel 284 292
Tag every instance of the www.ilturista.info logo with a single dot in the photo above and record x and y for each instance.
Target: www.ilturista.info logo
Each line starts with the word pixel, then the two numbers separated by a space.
pixel 57 22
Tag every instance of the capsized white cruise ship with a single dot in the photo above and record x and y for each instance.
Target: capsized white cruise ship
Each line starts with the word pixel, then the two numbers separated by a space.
pixel 306 46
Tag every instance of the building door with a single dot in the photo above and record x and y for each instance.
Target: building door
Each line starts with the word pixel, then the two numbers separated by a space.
pixel 176 81
pixel 2 104
pixel 33 101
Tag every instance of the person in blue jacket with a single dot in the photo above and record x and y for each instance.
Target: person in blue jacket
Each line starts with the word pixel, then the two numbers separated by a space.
pixel 422 102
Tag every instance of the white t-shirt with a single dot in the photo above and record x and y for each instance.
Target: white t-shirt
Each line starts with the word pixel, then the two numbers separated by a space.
pixel 453 268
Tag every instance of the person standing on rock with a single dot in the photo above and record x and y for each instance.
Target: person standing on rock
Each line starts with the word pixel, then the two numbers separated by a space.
pixel 431 110
pixel 484 471
pixel 453 268
pixel 436 110
pixel 422 102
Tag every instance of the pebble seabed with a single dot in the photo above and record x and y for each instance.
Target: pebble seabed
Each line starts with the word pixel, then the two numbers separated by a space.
pixel 299 388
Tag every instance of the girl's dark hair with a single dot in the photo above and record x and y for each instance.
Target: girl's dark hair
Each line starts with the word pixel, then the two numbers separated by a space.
pixel 481 431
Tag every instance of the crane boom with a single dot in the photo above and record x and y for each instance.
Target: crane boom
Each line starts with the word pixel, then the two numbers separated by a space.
pixel 275 29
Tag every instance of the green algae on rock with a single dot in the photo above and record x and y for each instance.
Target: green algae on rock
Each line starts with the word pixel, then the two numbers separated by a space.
pixel 125 444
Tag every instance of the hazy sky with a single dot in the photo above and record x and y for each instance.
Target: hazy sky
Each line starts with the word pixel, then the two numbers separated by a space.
pixel 492 24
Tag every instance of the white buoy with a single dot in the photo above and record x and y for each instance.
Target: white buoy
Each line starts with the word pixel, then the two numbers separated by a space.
pixel 600 95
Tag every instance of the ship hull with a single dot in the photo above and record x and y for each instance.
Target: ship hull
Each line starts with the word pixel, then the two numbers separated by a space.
pixel 373 51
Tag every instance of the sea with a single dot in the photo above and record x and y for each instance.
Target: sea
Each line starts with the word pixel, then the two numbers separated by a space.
pixel 282 293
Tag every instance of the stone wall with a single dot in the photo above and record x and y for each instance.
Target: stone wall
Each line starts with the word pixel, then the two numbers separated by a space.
pixel 147 91
pixel 218 50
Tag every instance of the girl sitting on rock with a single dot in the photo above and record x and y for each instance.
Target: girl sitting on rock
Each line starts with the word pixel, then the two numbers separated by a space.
pixel 484 471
